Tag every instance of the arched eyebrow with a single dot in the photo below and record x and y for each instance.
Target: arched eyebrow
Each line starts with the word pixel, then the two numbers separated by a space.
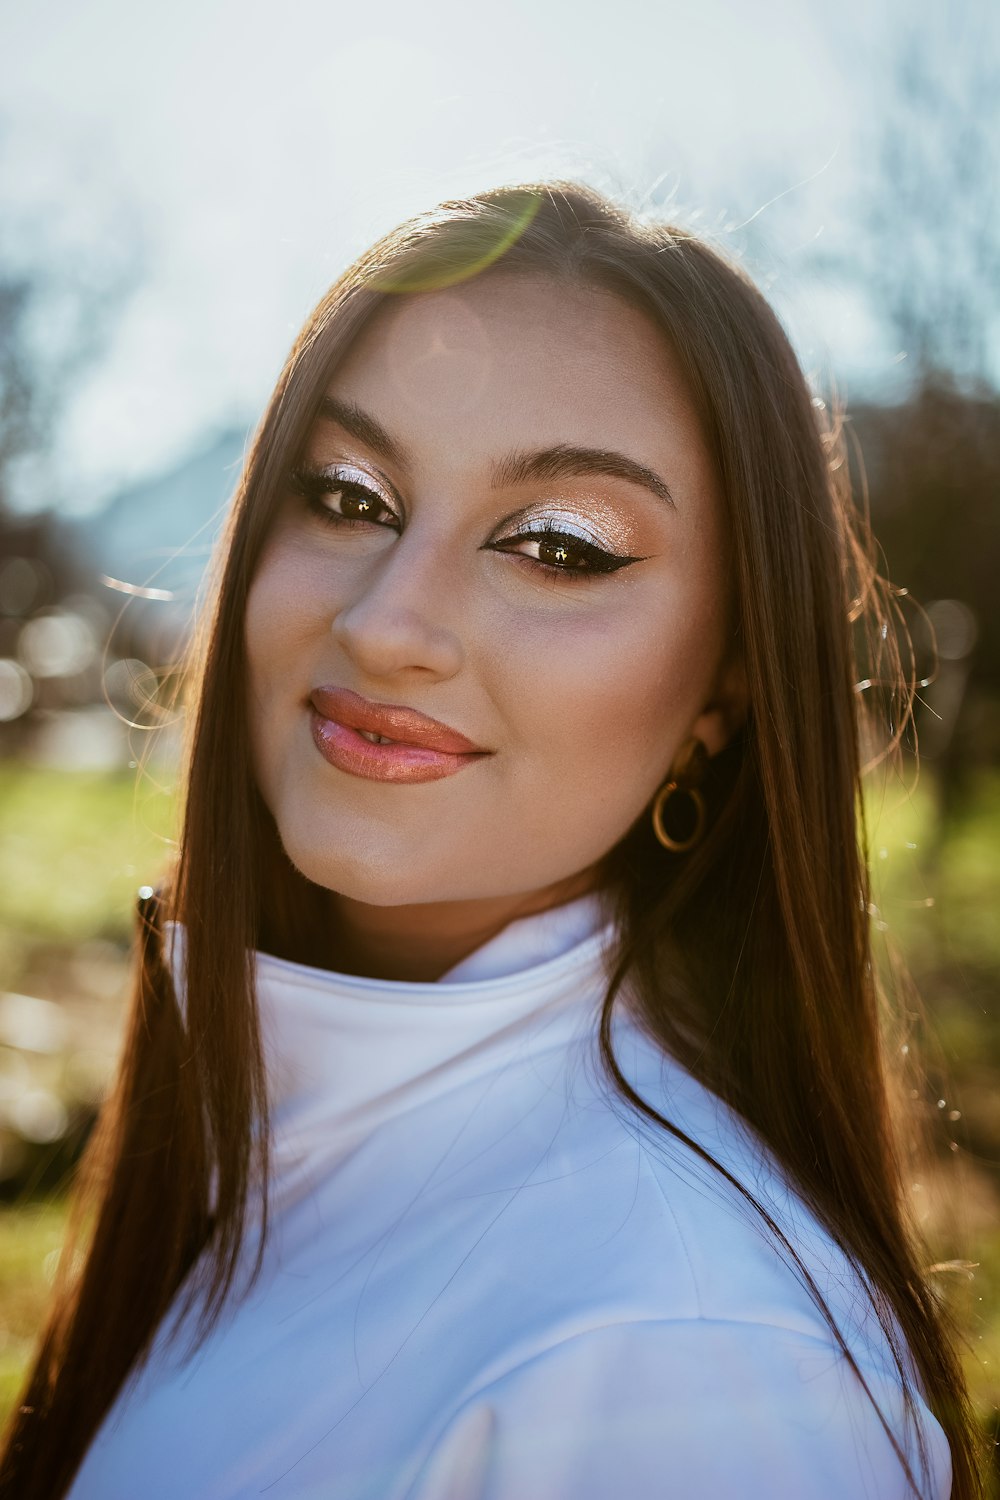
pixel 363 426
pixel 568 462
pixel 563 461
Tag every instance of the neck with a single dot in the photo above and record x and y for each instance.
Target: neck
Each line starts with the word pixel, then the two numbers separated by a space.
pixel 422 942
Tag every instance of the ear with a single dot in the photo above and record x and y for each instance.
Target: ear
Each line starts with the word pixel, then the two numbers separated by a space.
pixel 727 707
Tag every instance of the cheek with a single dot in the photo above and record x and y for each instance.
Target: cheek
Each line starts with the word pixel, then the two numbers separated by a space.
pixel 287 608
pixel 605 699
pixel 286 623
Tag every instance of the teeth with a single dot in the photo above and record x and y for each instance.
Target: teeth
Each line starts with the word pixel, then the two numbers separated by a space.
pixel 375 739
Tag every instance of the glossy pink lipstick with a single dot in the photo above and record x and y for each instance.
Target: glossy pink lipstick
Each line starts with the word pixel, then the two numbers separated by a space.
pixel 409 746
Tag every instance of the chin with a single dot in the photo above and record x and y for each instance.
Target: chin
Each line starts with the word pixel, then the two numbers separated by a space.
pixel 358 869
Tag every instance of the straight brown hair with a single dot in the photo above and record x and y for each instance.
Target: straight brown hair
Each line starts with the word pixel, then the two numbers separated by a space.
pixel 751 956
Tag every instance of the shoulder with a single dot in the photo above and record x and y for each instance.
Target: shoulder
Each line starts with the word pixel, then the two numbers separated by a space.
pixel 687 1238
pixel 655 1326
pixel 686 1407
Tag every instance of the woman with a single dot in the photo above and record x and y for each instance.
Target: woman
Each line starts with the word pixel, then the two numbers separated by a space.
pixel 502 1112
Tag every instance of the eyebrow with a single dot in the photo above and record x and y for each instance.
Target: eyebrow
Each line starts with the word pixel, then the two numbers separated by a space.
pixel 563 461
pixel 361 425
pixel 567 462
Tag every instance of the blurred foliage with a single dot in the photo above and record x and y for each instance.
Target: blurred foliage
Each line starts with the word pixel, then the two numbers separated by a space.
pixel 74 846
pixel 30 1237
pixel 935 884
pixel 65 280
pixel 936 898
pixel 932 468
pixel 928 245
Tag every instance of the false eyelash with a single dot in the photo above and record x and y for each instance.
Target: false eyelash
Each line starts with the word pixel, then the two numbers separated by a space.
pixel 600 561
pixel 312 484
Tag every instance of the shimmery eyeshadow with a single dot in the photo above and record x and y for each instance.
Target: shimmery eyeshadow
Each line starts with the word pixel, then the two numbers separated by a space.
pixel 600 522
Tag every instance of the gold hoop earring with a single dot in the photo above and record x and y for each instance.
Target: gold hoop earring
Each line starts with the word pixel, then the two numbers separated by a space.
pixel 678 846
pixel 690 768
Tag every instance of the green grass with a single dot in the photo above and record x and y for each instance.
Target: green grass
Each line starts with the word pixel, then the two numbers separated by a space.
pixel 936 890
pixel 30 1237
pixel 74 848
pixel 977 1308
pixel 937 884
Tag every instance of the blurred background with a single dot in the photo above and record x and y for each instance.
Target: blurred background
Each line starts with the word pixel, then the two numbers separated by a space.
pixel 179 184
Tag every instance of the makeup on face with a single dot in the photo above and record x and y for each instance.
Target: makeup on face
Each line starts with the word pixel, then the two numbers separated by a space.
pixel 385 742
pixel 592 520
pixel 588 538
pixel 512 570
pixel 570 504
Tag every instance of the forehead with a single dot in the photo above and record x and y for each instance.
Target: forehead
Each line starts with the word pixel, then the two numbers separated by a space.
pixel 509 360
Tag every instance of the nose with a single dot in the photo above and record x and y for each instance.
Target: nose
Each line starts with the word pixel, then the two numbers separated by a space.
pixel 396 622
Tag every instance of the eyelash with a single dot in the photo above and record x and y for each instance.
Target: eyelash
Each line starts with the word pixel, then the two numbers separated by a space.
pixel 314 484
pixel 596 558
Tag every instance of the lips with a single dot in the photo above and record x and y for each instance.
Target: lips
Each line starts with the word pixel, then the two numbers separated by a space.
pixel 418 748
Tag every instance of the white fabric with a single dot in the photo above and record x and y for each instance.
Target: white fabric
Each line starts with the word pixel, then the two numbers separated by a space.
pixel 488 1278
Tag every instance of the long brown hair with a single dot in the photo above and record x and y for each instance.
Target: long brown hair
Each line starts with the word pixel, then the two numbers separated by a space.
pixel 751 956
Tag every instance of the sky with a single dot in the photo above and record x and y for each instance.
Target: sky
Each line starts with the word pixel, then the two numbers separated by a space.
pixel 202 171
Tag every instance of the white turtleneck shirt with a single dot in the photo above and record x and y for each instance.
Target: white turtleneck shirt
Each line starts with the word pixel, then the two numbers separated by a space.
pixel 488 1277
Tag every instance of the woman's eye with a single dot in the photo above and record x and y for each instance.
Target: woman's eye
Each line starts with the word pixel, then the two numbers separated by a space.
pixel 336 498
pixel 561 552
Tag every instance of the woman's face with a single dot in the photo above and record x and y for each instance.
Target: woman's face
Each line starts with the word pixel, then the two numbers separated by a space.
pixel 506 520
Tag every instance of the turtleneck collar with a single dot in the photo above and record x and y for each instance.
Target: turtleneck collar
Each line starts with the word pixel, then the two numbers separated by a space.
pixel 344 1053
pixel 530 941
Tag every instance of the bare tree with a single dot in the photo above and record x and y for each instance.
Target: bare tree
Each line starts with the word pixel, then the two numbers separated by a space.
pixel 60 296
pixel 924 240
